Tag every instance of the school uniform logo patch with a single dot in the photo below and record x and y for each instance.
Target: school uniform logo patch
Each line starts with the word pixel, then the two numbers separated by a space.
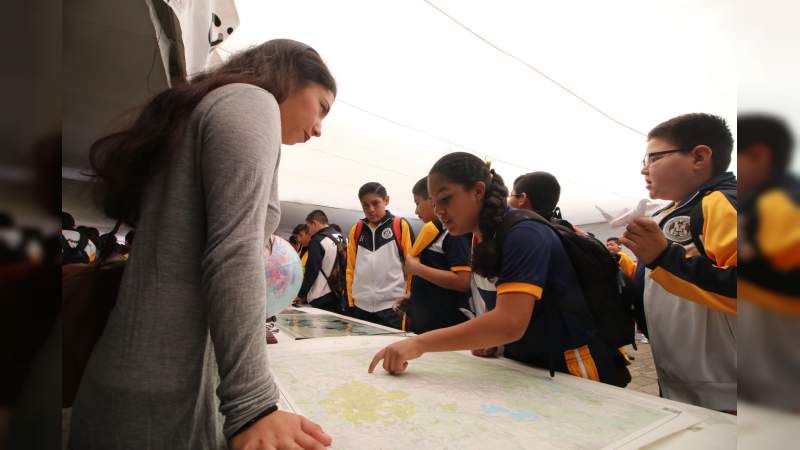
pixel 387 233
pixel 677 229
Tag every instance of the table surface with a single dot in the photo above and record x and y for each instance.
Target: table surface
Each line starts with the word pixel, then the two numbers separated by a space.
pixel 715 430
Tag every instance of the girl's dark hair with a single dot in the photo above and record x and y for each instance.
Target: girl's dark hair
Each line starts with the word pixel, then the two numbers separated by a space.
pixel 373 187
pixel 467 169
pixel 420 188
pixel 122 162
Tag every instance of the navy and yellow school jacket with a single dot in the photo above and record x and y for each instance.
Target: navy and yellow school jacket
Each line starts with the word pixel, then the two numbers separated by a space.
pixel 430 306
pixel 375 276
pixel 769 290
pixel 690 297
pixel 769 225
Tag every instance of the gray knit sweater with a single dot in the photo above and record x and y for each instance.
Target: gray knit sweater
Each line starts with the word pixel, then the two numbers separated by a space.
pixel 182 362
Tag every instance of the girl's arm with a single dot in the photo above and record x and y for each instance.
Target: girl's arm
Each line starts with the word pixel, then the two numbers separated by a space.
pixel 506 323
pixel 456 281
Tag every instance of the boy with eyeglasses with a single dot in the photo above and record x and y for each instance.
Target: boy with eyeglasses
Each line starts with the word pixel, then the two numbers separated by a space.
pixel 689 248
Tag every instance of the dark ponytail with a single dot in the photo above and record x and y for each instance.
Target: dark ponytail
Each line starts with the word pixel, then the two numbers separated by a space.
pixel 467 169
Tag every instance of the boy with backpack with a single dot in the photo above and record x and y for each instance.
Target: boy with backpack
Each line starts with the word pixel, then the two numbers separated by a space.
pixel 377 245
pixel 626 263
pixel 540 192
pixel 690 250
pixel 323 279
pixel 439 266
pixel 76 247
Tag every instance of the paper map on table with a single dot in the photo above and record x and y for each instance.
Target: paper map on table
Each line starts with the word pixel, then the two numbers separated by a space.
pixel 455 400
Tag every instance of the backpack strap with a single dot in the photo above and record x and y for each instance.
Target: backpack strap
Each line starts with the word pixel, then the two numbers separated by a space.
pixel 357 234
pixel 512 218
pixel 336 260
pixel 397 228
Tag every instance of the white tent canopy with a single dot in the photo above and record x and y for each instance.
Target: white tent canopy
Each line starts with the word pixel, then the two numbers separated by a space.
pixel 565 87
pixel 414 85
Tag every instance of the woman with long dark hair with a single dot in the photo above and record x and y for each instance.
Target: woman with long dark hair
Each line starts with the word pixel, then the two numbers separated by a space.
pixel 182 362
pixel 526 284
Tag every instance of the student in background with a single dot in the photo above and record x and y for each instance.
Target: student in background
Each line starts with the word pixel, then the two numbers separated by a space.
pixel 323 269
pixel 295 243
pixel 540 192
pixel 532 273
pixel 377 246
pixel 626 263
pixel 439 265
pixel 76 247
pixel 537 191
pixel 301 232
pixel 628 267
pixel 338 229
pixel 689 248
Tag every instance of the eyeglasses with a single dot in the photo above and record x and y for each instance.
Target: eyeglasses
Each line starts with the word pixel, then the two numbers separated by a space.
pixel 650 158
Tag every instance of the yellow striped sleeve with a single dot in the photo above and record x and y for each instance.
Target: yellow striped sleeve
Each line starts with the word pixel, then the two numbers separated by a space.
pixel 719 230
pixel 461 269
pixel 522 288
pixel 351 264
pixel 690 291
pixel 408 245
pixel 778 235
pixel 426 236
pixel 627 264
pixel 768 299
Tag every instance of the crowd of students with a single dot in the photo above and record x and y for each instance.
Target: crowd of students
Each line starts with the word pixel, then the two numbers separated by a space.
pixel 482 276
pixel 495 269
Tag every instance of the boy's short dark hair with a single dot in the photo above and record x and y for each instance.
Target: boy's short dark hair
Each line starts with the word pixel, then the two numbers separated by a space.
pixel 317 215
pixel 373 187
pixel 771 131
pixel 300 228
pixel 67 221
pixel 420 188
pixel 542 189
pixel 293 240
pixel 690 130
pixel 613 239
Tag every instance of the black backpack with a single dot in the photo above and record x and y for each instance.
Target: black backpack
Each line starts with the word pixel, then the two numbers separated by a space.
pixel 601 280
pixel 337 279
pixel 73 255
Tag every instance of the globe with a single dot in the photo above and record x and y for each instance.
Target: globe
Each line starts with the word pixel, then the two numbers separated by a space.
pixel 284 274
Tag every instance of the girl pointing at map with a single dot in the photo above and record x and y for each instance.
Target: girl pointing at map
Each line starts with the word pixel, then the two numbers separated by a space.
pixel 525 281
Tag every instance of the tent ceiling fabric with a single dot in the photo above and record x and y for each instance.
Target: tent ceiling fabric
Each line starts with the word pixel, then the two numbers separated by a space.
pixel 414 85
pixel 442 90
